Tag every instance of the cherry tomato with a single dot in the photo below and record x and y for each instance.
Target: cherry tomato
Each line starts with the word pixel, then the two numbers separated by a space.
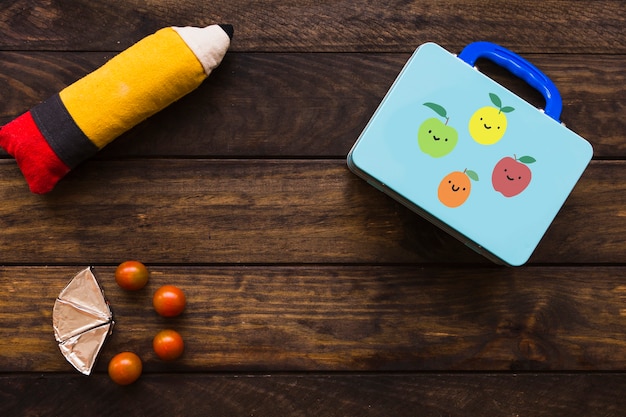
pixel 168 345
pixel 131 275
pixel 169 301
pixel 125 368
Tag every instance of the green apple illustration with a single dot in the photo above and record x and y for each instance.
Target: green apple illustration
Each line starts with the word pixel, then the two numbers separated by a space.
pixel 434 136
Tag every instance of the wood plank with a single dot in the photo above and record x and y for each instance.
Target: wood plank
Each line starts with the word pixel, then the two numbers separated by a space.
pixel 340 26
pixel 309 292
pixel 339 318
pixel 295 111
pixel 540 395
pixel 273 211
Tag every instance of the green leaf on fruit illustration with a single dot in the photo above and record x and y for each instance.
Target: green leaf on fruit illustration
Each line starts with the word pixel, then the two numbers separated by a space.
pixel 498 103
pixel 434 137
pixel 438 109
pixel 472 174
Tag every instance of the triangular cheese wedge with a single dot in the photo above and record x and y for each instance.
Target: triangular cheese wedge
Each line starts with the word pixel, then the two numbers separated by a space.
pixel 82 320
pixel 84 291
pixel 82 350
pixel 69 320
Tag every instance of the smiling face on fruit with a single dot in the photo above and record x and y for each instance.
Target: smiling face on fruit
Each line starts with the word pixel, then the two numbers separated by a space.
pixel 511 176
pixel 488 124
pixel 456 187
pixel 435 138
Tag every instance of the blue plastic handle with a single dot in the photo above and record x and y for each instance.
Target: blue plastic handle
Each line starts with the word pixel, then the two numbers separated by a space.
pixel 519 67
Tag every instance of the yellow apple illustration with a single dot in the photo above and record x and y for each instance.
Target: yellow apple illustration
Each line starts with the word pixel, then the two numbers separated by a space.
pixel 488 124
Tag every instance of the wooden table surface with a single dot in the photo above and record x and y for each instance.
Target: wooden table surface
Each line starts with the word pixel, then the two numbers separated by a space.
pixel 309 292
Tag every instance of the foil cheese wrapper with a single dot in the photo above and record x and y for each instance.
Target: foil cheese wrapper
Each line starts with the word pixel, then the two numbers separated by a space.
pixel 82 320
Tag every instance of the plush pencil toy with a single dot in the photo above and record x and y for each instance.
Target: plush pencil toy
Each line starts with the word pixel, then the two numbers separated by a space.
pixel 55 136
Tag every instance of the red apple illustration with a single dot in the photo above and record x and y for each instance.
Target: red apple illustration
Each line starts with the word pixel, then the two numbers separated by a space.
pixel 511 176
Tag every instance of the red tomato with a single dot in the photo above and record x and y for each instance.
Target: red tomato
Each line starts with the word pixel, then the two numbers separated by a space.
pixel 168 345
pixel 169 301
pixel 125 368
pixel 131 275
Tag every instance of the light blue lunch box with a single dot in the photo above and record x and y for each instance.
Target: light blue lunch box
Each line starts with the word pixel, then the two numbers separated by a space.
pixel 468 154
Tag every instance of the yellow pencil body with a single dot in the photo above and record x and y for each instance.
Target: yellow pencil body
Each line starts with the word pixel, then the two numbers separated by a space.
pixel 71 126
pixel 132 86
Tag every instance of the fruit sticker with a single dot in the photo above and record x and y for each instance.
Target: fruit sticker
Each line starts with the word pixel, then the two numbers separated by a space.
pixel 435 137
pixel 488 124
pixel 511 176
pixel 455 188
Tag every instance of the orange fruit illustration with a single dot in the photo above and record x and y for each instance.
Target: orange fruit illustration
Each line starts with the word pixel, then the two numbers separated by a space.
pixel 456 187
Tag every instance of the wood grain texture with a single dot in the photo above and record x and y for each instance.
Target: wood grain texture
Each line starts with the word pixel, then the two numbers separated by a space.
pixel 429 395
pixel 328 26
pixel 273 211
pixel 309 292
pixel 283 105
pixel 312 318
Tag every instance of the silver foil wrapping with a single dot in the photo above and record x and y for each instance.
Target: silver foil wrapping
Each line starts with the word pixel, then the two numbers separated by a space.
pixel 82 320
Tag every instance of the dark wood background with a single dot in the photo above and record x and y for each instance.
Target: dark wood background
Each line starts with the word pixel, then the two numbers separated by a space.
pixel 309 292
